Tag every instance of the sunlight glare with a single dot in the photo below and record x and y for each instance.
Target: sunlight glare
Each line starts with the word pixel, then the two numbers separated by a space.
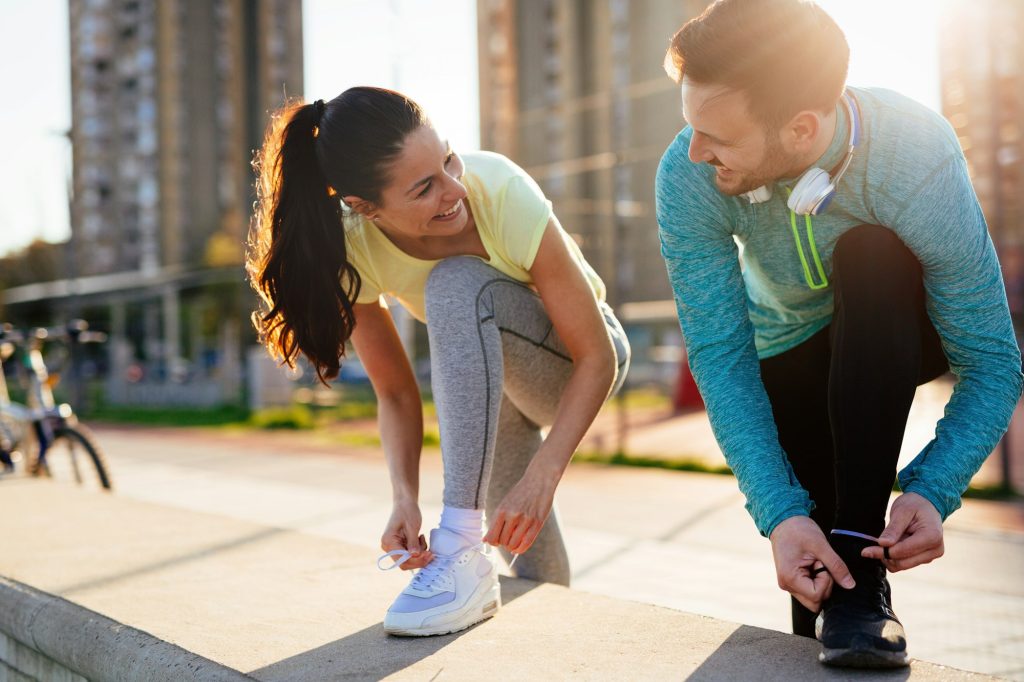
pixel 893 44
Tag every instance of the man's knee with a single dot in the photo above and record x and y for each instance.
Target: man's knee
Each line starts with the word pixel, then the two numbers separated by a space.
pixel 872 247
pixel 871 263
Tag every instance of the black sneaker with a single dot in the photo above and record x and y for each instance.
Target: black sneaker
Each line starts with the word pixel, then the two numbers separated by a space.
pixel 857 627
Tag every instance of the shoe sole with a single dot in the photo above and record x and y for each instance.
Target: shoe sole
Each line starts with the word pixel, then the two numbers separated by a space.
pixel 482 607
pixel 864 658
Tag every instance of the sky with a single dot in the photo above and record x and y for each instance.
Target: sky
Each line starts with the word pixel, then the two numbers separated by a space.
pixel 426 49
pixel 35 82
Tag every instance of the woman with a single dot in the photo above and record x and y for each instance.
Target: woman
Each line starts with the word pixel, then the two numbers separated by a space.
pixel 519 334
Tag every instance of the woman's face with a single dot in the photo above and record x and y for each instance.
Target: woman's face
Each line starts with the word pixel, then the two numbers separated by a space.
pixel 425 197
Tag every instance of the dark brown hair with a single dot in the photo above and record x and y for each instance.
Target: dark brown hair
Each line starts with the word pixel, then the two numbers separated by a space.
pixel 312 155
pixel 786 55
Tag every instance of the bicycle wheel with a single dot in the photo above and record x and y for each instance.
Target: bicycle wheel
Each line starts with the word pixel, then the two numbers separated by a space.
pixel 74 458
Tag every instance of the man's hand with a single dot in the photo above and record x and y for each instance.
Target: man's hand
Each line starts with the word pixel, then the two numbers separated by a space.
pixel 801 551
pixel 913 536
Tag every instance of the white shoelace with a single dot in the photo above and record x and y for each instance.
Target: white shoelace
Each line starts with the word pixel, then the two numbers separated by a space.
pixel 426 576
pixel 855 534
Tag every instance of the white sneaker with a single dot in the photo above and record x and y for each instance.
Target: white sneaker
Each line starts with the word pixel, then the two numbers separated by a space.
pixel 457 589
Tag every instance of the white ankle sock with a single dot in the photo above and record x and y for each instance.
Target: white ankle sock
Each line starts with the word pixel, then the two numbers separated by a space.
pixel 469 523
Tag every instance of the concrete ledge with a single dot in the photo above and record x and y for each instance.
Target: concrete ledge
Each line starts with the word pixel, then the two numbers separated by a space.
pixel 83 643
pixel 221 595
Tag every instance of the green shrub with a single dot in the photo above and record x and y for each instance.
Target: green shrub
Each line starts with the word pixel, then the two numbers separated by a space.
pixel 354 409
pixel 294 417
pixel 168 416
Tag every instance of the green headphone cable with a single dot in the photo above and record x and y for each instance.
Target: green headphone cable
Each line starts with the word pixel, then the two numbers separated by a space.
pixel 814 251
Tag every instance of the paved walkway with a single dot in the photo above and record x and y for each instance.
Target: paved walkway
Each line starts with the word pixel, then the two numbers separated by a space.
pixel 130 590
pixel 666 538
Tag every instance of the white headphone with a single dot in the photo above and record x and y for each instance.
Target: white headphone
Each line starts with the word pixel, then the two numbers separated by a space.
pixel 816 188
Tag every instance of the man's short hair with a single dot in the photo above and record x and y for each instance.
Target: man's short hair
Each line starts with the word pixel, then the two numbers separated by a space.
pixel 786 55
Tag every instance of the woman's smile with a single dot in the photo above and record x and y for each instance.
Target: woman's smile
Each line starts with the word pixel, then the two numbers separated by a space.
pixel 451 213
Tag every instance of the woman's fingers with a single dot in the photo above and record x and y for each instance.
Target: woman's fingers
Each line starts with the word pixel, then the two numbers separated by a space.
pixel 392 541
pixel 501 530
pixel 516 539
pixel 508 530
pixel 417 561
pixel 494 532
pixel 528 539
pixel 514 533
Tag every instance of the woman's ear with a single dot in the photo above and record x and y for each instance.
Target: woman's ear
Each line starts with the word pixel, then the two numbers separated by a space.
pixel 361 206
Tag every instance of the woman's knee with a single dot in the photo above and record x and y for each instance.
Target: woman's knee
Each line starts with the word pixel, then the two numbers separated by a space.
pixel 453 288
pixel 455 273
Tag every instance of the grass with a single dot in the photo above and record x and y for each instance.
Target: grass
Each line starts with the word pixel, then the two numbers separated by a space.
pixel 367 438
pixel 170 416
pixel 297 417
pixel 997 493
pixel 361 408
pixel 358 439
pixel 349 410
pixel 294 417
pixel 644 461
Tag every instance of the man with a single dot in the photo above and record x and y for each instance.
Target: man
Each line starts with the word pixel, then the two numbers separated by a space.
pixel 867 270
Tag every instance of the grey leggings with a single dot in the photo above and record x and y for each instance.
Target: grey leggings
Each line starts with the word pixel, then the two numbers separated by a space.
pixel 498 370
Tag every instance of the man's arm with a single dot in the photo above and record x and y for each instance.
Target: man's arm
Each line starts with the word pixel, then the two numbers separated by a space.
pixel 704 271
pixel 966 300
pixel 703 267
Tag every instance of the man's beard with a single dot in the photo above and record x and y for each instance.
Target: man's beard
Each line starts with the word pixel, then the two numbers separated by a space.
pixel 773 166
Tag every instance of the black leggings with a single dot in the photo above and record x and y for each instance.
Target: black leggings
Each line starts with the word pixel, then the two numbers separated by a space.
pixel 841 398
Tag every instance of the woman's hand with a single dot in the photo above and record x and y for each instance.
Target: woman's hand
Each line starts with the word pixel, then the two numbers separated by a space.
pixel 403 532
pixel 521 515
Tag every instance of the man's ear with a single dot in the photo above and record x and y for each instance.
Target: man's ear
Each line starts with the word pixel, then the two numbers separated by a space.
pixel 360 206
pixel 801 133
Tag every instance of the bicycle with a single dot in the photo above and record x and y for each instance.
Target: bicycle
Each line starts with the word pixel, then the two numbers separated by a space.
pixel 55 427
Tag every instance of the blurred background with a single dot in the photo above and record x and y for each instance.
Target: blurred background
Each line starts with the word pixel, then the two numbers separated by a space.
pixel 126 191
pixel 126 195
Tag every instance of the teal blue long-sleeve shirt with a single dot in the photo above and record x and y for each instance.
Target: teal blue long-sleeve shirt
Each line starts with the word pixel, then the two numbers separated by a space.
pixel 909 175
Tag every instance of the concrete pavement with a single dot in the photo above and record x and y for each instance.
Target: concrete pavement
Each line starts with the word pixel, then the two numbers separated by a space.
pixel 673 539
pixel 131 590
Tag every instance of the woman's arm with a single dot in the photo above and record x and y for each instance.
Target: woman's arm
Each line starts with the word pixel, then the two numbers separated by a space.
pixel 400 418
pixel 569 302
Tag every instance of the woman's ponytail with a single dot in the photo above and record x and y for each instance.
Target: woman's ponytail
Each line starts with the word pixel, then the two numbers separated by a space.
pixel 313 155
pixel 297 259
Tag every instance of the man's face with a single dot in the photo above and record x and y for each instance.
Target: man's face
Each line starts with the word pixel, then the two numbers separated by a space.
pixel 727 136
